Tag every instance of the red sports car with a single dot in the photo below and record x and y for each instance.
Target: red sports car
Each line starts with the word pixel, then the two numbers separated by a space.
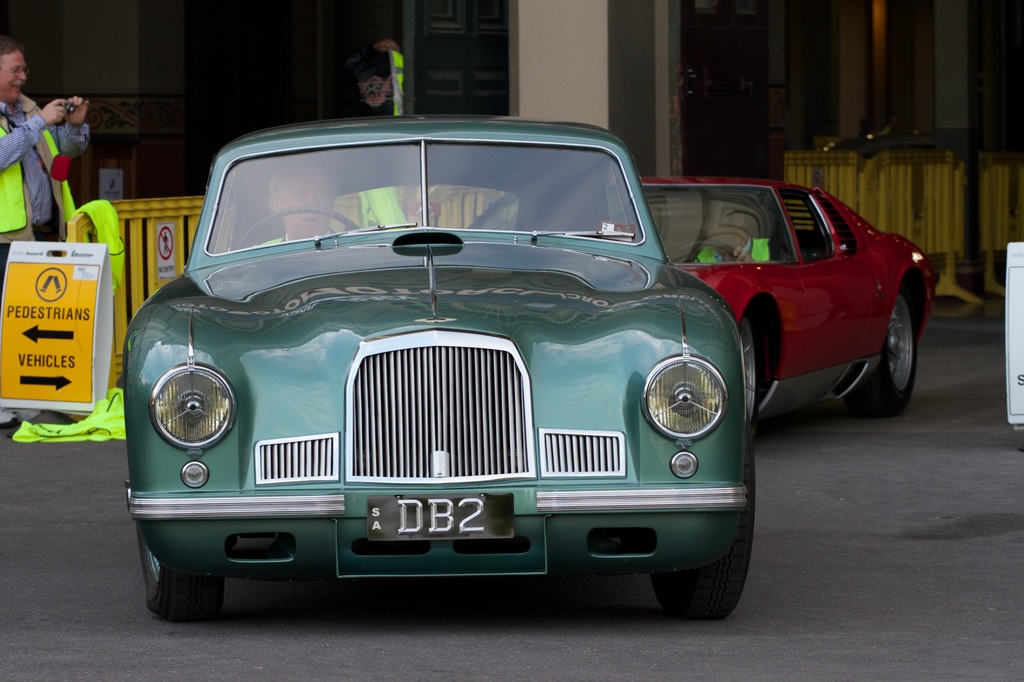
pixel 827 305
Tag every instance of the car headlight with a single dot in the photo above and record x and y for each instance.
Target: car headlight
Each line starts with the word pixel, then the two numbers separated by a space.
pixel 192 406
pixel 685 397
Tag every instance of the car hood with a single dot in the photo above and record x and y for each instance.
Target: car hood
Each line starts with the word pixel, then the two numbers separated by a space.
pixel 252 278
pixel 371 292
pixel 288 343
pixel 384 290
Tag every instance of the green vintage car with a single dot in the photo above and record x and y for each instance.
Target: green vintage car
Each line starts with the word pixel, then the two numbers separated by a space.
pixel 435 347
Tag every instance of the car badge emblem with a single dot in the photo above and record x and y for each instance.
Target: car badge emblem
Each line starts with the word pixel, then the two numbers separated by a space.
pixel 440 464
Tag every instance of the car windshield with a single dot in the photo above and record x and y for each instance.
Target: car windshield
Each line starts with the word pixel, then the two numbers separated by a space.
pixel 347 190
pixel 717 223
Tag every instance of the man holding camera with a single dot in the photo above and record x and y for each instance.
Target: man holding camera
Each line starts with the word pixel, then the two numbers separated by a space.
pixel 35 145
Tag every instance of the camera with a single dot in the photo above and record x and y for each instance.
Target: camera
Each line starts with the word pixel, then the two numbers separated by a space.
pixel 69 107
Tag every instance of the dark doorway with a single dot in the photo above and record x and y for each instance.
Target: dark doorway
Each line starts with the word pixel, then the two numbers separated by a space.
pixel 253 64
pixel 723 97
pixel 237 75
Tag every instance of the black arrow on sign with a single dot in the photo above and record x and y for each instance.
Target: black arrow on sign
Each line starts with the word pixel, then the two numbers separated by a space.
pixel 57 382
pixel 35 333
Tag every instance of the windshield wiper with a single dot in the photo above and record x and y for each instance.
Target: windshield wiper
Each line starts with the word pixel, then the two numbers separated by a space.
pixel 621 231
pixel 372 228
pixel 393 226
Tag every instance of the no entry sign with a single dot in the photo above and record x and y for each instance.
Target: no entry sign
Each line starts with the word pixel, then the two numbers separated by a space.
pixel 56 329
pixel 165 263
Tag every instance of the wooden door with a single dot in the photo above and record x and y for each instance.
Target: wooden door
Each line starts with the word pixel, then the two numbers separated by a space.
pixel 460 57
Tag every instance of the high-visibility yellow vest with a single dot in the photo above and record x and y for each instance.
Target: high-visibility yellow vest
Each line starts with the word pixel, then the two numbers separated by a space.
pixel 398 73
pixel 380 207
pixel 13 215
pixel 105 423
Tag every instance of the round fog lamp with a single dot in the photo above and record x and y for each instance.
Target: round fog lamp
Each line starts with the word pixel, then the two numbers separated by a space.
pixel 195 474
pixel 684 464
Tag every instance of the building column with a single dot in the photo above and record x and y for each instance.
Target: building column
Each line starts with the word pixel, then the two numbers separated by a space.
pixel 957 118
pixel 594 62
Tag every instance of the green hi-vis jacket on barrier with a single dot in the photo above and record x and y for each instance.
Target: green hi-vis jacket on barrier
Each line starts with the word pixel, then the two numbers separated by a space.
pixel 108 231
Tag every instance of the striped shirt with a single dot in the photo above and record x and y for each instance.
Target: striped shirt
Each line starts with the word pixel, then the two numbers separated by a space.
pixel 19 145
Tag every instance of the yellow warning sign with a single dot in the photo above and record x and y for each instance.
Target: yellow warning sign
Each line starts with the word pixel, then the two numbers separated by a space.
pixel 56 327
pixel 48 332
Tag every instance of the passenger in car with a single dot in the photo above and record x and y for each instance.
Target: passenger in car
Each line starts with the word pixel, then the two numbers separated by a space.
pixel 732 238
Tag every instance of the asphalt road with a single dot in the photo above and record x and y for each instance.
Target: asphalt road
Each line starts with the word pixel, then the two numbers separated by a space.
pixel 884 550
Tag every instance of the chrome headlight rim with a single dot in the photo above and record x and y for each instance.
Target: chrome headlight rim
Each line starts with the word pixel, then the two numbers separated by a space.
pixel 705 365
pixel 222 384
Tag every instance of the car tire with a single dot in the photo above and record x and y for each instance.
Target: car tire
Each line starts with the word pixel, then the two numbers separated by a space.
pixel 711 592
pixel 175 596
pixel 888 391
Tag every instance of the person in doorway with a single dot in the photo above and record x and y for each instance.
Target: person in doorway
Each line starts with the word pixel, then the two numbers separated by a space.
pixel 377 73
pixel 34 196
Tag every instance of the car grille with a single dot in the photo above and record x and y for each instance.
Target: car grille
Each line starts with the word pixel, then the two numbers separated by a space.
pixel 289 460
pixel 439 407
pixel 582 453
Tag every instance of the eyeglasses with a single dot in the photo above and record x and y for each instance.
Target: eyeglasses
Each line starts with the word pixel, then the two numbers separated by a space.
pixel 19 71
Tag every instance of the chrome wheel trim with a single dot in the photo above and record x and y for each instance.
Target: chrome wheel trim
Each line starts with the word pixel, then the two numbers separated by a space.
pixel 152 566
pixel 900 344
pixel 749 368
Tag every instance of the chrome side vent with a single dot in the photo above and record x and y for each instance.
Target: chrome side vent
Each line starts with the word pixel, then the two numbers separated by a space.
pixel 847 238
pixel 437 407
pixel 293 460
pixel 582 453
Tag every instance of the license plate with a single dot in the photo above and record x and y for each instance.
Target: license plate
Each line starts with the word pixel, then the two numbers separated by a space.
pixel 435 517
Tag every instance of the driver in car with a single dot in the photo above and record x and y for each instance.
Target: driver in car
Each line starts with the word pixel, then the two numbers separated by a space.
pixel 293 189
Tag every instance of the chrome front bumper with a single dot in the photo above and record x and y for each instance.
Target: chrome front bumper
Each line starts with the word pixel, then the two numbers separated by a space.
pixel 261 506
pixel 320 506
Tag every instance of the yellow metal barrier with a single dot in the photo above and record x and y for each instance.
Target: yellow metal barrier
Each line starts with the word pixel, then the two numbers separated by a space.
pixel 920 194
pixel 1000 203
pixel 155 232
pixel 839 172
pixel 916 193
